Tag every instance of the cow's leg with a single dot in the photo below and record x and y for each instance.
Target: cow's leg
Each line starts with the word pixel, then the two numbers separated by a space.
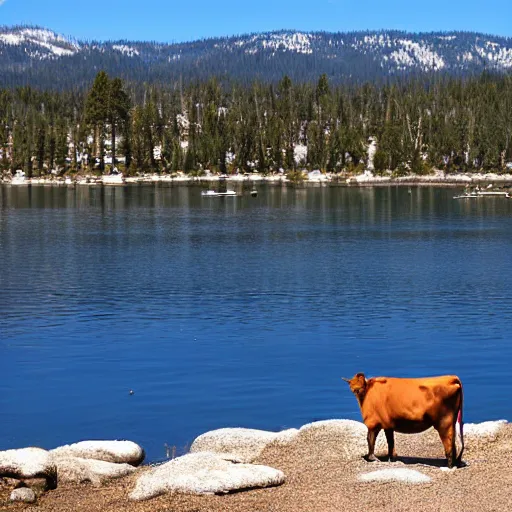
pixel 372 436
pixel 390 437
pixel 447 434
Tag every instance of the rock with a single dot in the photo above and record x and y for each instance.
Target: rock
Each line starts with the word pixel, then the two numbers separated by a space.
pixel 245 445
pixel 109 451
pixel 487 429
pixel 23 494
pixel 80 470
pixel 29 463
pixel 38 485
pixel 350 437
pixel 203 473
pixel 239 444
pixel 409 476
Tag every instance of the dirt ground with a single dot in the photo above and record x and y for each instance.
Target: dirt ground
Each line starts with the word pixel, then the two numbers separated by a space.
pixel 317 481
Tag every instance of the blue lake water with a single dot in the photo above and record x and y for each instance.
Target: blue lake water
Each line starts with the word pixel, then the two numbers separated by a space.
pixel 241 311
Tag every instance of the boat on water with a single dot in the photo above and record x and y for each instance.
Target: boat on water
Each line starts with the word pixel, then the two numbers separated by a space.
pixel 494 193
pixel 483 193
pixel 213 193
pixel 466 196
pixel 19 178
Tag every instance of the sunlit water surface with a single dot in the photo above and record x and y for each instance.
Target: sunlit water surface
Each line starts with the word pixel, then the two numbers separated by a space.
pixel 241 311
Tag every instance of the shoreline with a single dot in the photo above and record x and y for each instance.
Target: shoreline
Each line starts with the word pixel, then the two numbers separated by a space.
pixel 367 179
pixel 323 471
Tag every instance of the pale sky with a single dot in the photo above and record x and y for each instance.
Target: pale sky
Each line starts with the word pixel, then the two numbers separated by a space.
pixel 173 21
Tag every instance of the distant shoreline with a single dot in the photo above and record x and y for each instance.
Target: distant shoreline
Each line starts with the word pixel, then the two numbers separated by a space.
pixel 437 179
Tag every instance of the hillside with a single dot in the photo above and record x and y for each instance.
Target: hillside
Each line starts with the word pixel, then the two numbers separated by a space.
pixel 40 57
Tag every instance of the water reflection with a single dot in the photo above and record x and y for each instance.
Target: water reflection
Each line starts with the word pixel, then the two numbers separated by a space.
pixel 239 311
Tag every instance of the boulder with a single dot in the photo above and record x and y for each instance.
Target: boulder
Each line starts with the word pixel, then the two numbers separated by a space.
pixel 23 494
pixel 239 444
pixel 409 476
pixel 487 429
pixel 203 473
pixel 349 437
pixel 38 485
pixel 109 451
pixel 80 470
pixel 29 463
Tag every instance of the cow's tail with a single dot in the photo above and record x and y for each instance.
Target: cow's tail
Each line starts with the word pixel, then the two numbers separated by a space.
pixel 460 424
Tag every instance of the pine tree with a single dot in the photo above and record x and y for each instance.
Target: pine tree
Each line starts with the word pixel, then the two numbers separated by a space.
pixel 117 110
pixel 97 112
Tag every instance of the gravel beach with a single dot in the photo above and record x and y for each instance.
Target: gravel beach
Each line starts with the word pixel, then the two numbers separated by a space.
pixel 318 479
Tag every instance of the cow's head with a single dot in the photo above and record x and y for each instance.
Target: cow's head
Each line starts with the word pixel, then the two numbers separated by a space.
pixel 357 384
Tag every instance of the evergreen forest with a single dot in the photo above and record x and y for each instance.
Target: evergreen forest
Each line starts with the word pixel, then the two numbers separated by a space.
pixel 450 123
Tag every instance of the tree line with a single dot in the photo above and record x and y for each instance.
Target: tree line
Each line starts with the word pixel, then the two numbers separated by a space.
pixel 444 123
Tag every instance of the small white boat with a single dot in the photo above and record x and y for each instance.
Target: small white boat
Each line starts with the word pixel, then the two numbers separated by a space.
pixel 212 193
pixel 478 193
pixel 467 196
pixel 494 193
pixel 19 178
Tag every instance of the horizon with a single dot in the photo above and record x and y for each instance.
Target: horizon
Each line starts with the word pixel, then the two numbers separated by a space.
pixel 202 20
pixel 72 37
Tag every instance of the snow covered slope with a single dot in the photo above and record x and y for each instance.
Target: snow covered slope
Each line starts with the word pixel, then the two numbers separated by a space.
pixel 38 43
pixel 302 55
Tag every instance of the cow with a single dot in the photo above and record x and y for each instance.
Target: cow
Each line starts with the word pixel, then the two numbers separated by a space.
pixel 410 406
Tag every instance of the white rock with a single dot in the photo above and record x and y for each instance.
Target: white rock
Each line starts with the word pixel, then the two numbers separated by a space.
pixel 23 494
pixel 240 444
pixel 79 470
pixel 110 451
pixel 368 177
pixel 350 436
pixel 28 463
pixel 487 429
pixel 203 473
pixel 409 476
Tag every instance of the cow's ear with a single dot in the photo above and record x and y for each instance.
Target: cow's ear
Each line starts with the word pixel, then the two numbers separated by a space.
pixel 361 377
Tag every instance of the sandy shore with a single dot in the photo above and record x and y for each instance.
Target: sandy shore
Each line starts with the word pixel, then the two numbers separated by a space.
pixel 438 178
pixel 319 481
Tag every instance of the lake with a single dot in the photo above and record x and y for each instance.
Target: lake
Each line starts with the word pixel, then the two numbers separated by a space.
pixel 243 311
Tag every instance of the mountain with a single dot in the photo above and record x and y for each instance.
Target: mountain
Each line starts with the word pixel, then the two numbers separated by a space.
pixel 40 57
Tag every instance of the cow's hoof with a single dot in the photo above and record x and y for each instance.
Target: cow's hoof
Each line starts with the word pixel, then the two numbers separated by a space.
pixel 371 458
pixel 393 459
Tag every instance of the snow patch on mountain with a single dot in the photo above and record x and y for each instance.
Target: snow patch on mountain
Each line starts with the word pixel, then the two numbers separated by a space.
pixel 56 44
pixel 130 51
pixel 495 54
pixel 12 39
pixel 404 53
pixel 466 57
pixel 413 53
pixel 297 42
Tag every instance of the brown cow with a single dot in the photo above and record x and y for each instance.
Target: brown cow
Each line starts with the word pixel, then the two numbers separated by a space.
pixel 410 406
